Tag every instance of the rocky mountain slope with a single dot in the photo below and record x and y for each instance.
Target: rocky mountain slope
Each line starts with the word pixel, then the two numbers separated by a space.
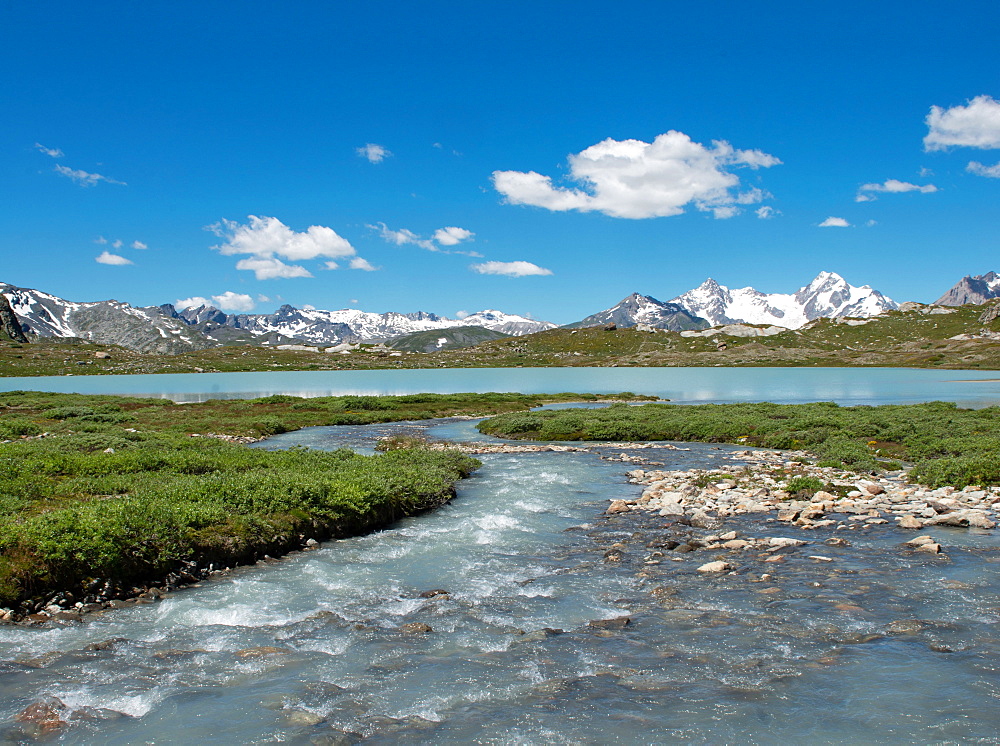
pixel 642 309
pixel 827 296
pixel 444 339
pixel 332 327
pixel 972 289
pixel 107 322
pixel 164 329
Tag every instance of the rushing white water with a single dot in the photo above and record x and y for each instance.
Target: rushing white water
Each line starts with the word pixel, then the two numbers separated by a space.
pixel 881 645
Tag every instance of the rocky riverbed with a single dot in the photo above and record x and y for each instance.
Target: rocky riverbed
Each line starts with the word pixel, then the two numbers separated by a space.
pixel 764 482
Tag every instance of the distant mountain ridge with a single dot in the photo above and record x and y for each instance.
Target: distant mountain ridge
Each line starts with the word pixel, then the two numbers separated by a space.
pixel 164 329
pixel 643 309
pixel 349 324
pixel 107 321
pixel 972 289
pixel 829 295
pixel 711 304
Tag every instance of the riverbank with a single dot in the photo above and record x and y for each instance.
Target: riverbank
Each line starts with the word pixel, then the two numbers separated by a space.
pixel 110 500
pixel 522 608
pixel 948 446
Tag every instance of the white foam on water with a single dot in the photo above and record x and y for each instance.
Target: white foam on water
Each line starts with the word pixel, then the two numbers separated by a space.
pixel 134 705
pixel 533 591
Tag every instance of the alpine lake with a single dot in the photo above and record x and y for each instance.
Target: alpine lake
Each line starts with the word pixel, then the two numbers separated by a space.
pixel 499 619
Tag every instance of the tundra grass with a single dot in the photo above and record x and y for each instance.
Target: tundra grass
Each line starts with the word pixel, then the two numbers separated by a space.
pixel 948 445
pixel 115 489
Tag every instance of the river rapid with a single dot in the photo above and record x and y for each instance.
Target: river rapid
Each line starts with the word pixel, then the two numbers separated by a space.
pixel 522 613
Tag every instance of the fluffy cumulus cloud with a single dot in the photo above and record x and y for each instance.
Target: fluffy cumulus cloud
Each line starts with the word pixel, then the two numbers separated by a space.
pixel 891 186
pixel 195 301
pixel 449 236
pixel 373 153
pixel 636 179
pixel 85 179
pixel 975 125
pixel 980 169
pixel 510 269
pixel 766 212
pixel 230 301
pixel 106 257
pixel 227 301
pixel 833 222
pixel 452 235
pixel 267 241
pixel 139 245
pixel 270 268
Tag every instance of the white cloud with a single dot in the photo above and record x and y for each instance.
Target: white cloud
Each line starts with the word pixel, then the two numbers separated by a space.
pixel 447 236
pixel 462 314
pixel 978 168
pixel 451 235
pixel 117 243
pixel 374 153
pixel 766 212
pixel 230 301
pixel 261 298
pixel 106 257
pixel 308 307
pixel 353 301
pixel 272 268
pixel 976 125
pixel 892 186
pixel 510 269
pixel 100 240
pixel 402 237
pixel 195 301
pixel 86 179
pixel 362 264
pixel 51 152
pixel 832 222
pixel 139 245
pixel 266 239
pixel 636 179
pixel 870 223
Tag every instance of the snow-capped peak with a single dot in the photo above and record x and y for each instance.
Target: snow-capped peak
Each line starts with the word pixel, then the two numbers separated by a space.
pixel 828 295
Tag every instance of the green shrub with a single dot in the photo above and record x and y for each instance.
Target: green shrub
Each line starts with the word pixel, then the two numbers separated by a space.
pixel 811 485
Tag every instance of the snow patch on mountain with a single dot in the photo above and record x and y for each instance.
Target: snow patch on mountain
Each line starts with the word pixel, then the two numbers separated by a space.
pixel 332 327
pixel 829 295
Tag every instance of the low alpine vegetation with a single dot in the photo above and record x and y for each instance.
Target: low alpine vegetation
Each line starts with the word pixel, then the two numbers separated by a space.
pixel 949 446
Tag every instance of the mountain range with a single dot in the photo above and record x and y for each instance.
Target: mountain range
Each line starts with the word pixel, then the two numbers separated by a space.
pixel 166 329
pixel 711 304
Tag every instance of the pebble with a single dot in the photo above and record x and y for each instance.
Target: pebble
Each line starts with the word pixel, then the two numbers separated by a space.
pixel 758 485
pixel 717 566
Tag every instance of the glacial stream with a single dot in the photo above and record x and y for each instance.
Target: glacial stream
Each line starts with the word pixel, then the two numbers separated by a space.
pixel 528 642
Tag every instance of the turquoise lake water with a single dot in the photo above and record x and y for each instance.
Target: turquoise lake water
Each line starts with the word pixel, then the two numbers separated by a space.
pixel 843 385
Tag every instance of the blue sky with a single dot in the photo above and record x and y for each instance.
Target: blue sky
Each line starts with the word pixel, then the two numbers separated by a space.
pixel 540 158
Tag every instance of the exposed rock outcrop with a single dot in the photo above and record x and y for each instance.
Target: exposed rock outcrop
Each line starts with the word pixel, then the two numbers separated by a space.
pixel 972 289
pixel 9 324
